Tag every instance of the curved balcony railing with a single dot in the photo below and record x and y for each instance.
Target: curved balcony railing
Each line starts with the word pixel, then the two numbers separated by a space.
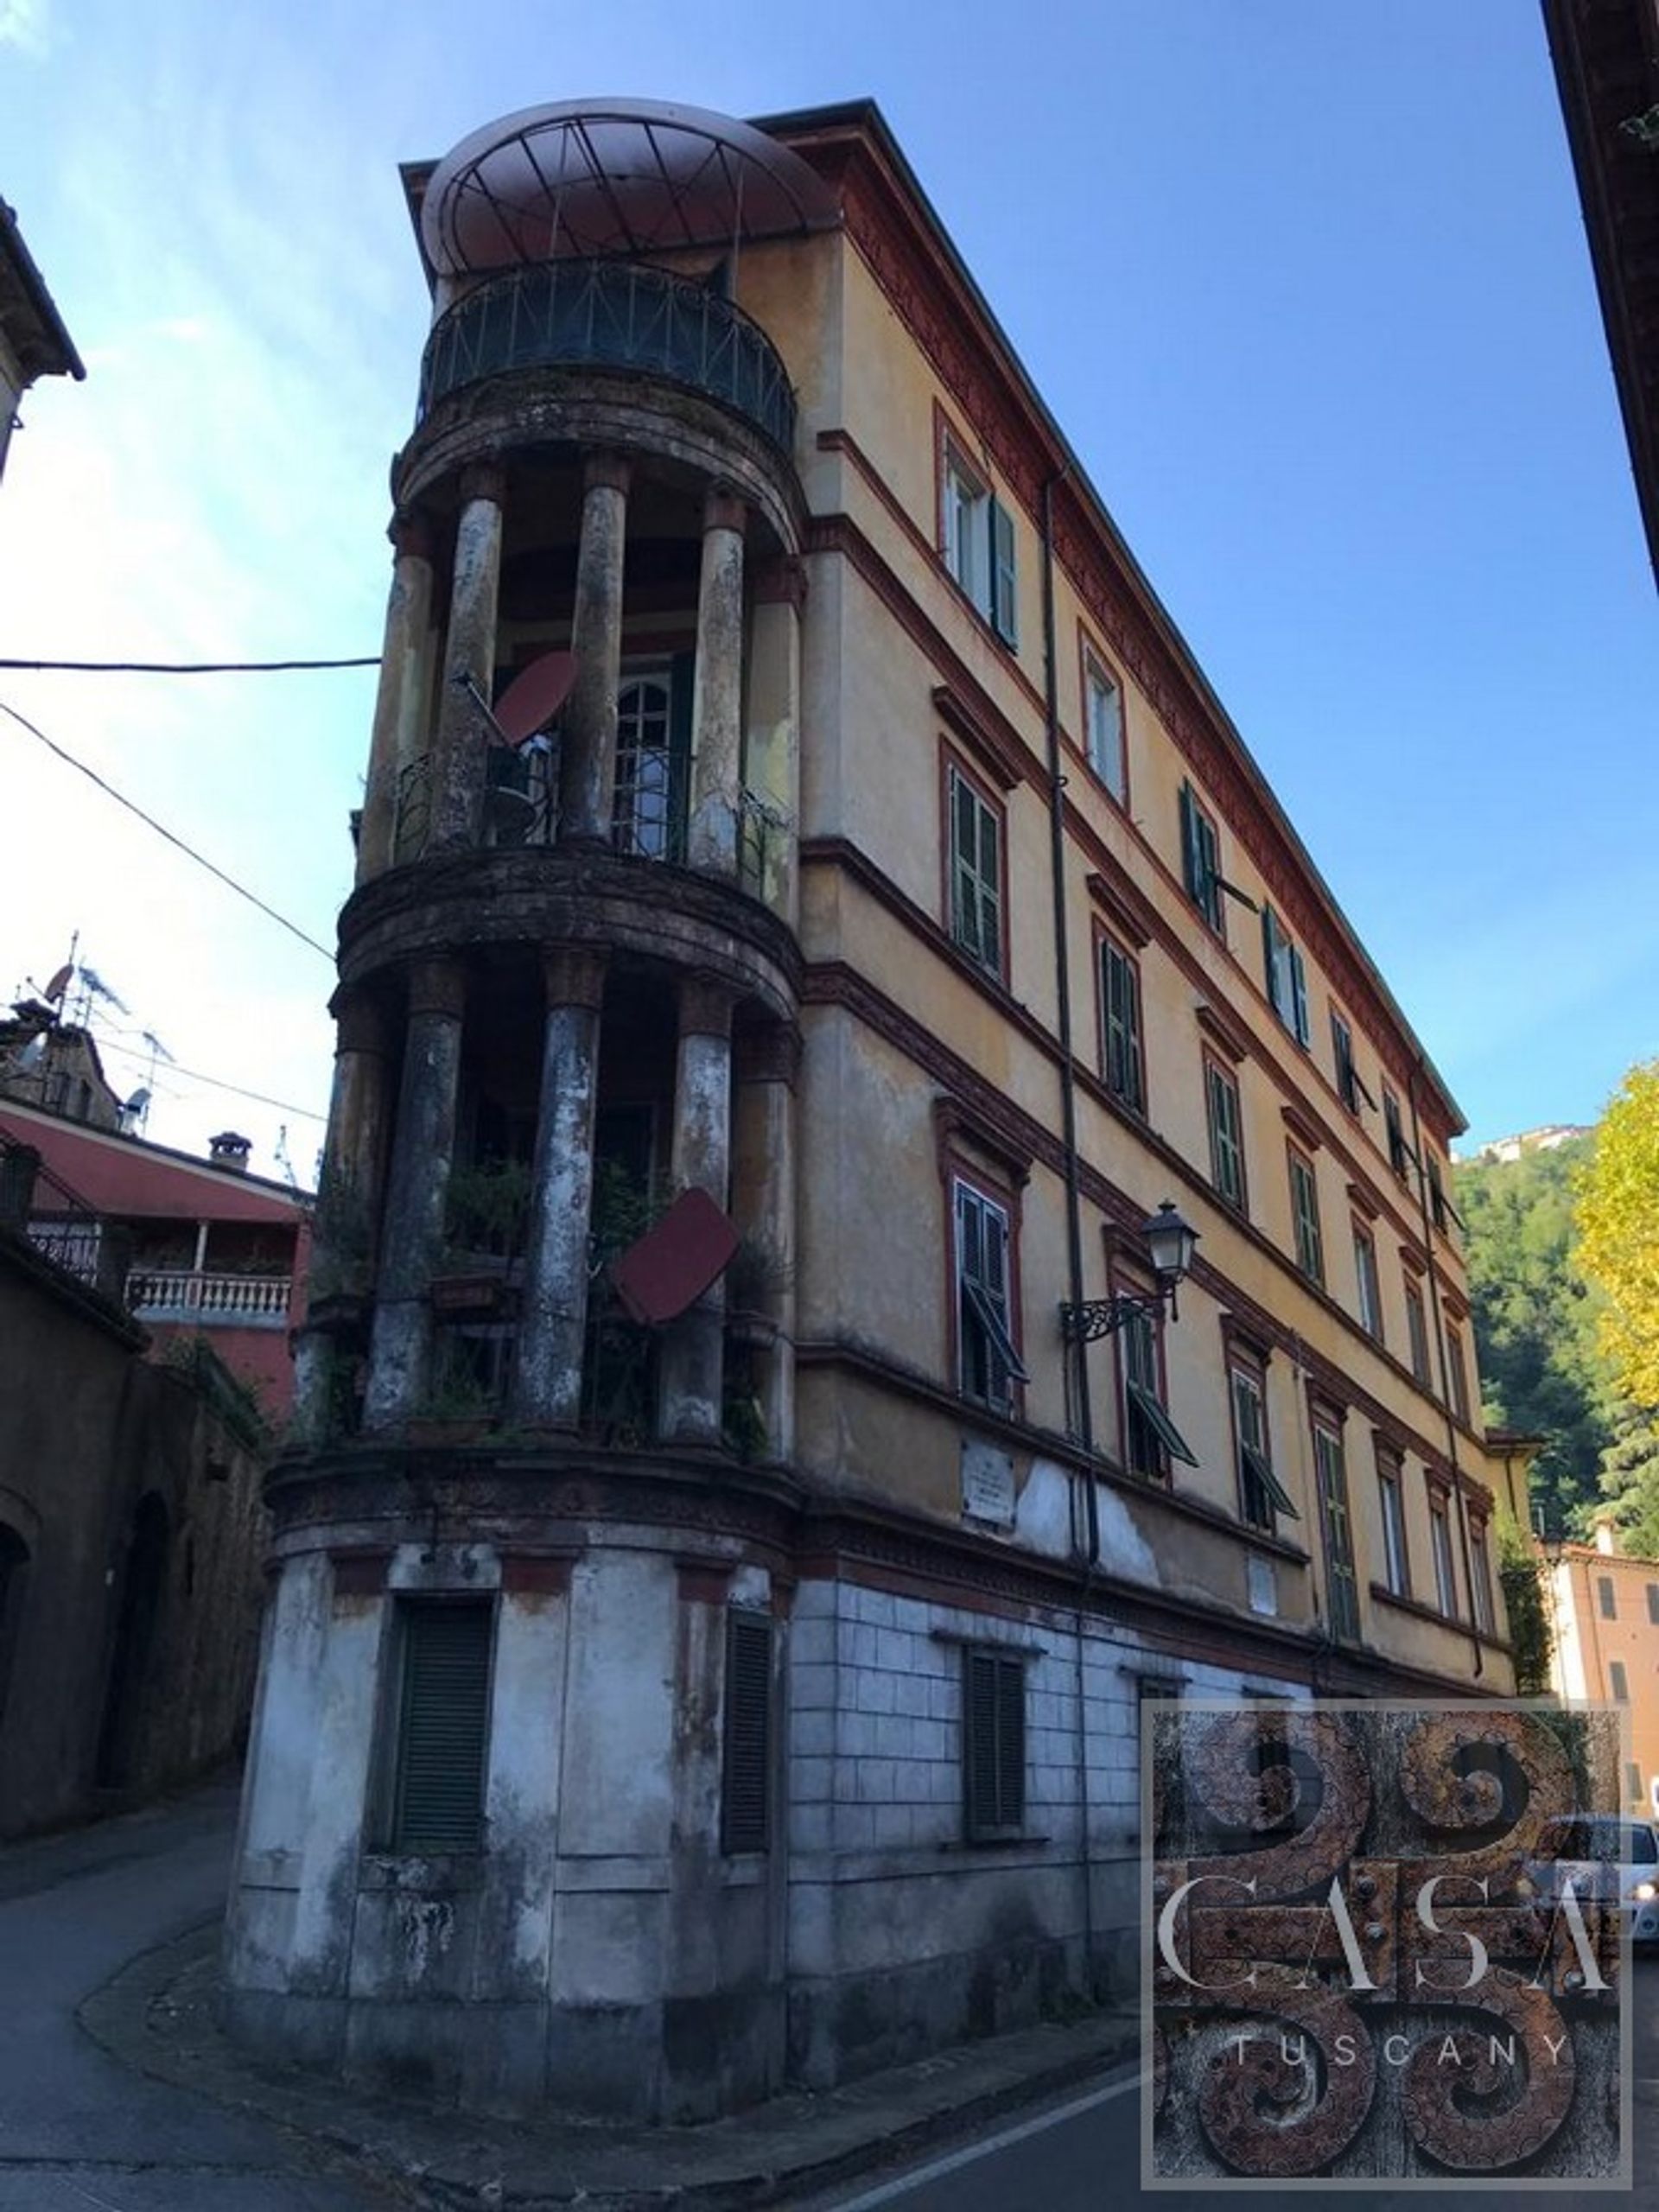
pixel 612 315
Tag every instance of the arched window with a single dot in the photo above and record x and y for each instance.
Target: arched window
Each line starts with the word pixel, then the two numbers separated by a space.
pixel 14 1578
pixel 648 817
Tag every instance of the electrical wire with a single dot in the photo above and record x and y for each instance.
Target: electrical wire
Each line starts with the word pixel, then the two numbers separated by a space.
pixel 213 1082
pixel 184 667
pixel 149 821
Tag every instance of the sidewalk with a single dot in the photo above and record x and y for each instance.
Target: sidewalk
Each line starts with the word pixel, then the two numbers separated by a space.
pixel 156 2015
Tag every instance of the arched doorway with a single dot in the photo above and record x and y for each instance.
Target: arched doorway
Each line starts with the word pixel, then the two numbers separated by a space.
pixel 141 1593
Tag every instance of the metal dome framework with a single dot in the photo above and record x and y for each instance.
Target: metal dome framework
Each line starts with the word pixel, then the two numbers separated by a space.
pixel 593 178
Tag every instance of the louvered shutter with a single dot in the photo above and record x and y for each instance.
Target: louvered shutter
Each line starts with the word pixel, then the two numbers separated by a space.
pixel 994 1744
pixel 1299 1022
pixel 746 1771
pixel 1004 606
pixel 443 1725
pixel 1192 859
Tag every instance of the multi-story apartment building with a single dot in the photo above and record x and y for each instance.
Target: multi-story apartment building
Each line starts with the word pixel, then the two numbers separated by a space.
pixel 1602 1607
pixel 713 1657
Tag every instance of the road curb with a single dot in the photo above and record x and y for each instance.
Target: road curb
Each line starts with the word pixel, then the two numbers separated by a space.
pixel 157 2015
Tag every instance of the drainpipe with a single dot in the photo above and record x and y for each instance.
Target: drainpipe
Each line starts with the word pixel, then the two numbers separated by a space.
pixel 1446 1378
pixel 1079 1354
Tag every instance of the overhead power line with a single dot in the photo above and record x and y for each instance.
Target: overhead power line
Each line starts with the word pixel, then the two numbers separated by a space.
pixel 213 1082
pixel 149 822
pixel 185 667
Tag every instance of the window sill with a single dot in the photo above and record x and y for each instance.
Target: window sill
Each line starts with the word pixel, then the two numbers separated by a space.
pixel 995 1843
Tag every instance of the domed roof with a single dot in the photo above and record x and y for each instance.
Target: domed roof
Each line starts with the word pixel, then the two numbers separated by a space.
pixel 594 177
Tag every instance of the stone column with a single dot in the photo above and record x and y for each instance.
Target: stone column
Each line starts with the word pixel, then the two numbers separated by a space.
pixel 763 1208
pixel 348 1197
pixel 772 742
pixel 400 701
pixel 689 1407
pixel 418 1189
pixel 717 690
pixel 588 740
pixel 463 733
pixel 552 1328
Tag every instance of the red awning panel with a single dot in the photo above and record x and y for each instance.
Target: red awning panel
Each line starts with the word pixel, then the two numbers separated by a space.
pixel 671 1265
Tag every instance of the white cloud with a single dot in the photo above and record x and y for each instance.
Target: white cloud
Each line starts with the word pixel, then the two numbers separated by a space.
pixel 25 24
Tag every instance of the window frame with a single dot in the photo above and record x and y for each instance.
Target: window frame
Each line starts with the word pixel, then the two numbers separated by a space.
pixel 1457 1373
pixel 1368 1281
pixel 1307 1236
pixel 955 771
pixel 395 1839
pixel 1391 1504
pixel 1606 1599
pixel 1094 665
pixel 1441 1550
pixel 1393 1132
pixel 1417 1336
pixel 1221 1080
pixel 1143 1396
pixel 978 539
pixel 1480 1575
pixel 1287 977
pixel 1107 946
pixel 743 1832
pixel 1336 1524
pixel 1262 1496
pixel 995 1697
pixel 1342 1056
pixel 1619 1681
pixel 964 1181
pixel 1201 873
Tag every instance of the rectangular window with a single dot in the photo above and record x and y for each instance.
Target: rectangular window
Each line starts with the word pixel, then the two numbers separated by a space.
pixel 436 1797
pixel 1151 1439
pixel 1287 977
pixel 1440 1532
pixel 993 1744
pixel 975 862
pixel 1390 1489
pixel 980 544
pixel 1102 726
pixel 1605 1600
pixel 1305 1217
pixel 1436 1195
pixel 1122 1064
pixel 1480 1576
pixel 1262 1496
pixel 1619 1681
pixel 1226 1133
pixel 1399 1151
pixel 745 1751
pixel 1341 1581
pixel 1417 1334
pixel 1653 1601
pixel 1633 1782
pixel 1349 1089
pixel 987 1360
pixel 1370 1294
pixel 1201 861
pixel 1457 1375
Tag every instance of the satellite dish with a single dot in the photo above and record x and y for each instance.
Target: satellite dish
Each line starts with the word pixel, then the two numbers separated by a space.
pixel 137 1102
pixel 535 695
pixel 33 1053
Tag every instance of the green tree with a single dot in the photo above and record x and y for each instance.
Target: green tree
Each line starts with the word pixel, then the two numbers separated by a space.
pixel 1619 1231
pixel 1629 1480
pixel 1534 1315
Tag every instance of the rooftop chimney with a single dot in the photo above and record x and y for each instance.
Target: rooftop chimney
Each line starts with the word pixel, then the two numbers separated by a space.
pixel 229 1149
pixel 1607 1534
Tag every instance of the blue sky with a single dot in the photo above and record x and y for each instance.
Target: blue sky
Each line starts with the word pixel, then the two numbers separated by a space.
pixel 1305 284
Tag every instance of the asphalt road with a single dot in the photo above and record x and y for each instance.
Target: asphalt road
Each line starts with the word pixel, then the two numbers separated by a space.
pixel 77 2129
pixel 1081 2154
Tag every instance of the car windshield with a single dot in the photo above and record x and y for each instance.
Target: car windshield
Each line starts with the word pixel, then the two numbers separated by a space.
pixel 1609 1842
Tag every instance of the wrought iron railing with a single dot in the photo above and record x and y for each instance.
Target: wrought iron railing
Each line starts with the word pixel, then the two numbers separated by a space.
pixel 612 315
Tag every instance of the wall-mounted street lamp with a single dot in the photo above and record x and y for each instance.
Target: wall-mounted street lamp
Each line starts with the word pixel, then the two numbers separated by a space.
pixel 1171 1243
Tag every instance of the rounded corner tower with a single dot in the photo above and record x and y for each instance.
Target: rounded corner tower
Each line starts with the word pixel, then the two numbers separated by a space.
pixel 511 1802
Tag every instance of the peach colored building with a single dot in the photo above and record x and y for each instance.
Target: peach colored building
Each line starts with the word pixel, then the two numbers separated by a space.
pixel 1603 1608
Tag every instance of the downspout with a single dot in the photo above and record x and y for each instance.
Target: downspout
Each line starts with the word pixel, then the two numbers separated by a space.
pixel 1446 1376
pixel 1079 1354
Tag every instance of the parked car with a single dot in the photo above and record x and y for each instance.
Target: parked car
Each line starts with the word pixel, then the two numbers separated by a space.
pixel 1608 1861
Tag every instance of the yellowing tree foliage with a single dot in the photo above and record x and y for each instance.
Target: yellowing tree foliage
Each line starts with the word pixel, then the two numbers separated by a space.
pixel 1619 1231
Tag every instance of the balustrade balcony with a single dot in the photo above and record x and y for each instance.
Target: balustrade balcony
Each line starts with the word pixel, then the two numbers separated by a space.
pixel 176 1294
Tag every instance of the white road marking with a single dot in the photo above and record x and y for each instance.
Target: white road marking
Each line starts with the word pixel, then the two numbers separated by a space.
pixel 987 2146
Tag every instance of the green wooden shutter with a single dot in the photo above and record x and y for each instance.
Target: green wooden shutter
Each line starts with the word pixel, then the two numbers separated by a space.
pixel 746 1770
pixel 443 1725
pixel 1004 591
pixel 1123 1025
pixel 1298 997
pixel 1192 858
pixel 994 1744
